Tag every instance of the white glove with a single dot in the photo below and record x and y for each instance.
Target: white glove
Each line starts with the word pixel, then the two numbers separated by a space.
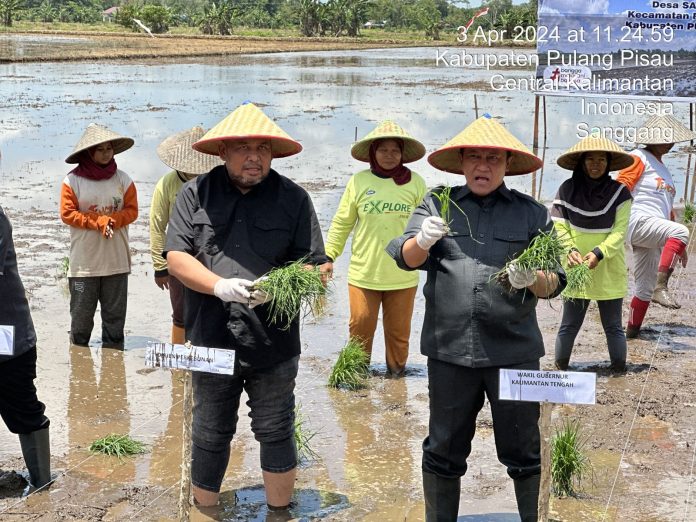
pixel 258 296
pixel 432 230
pixel 519 277
pixel 234 289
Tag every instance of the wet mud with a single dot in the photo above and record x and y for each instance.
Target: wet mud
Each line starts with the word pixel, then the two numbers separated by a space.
pixel 640 436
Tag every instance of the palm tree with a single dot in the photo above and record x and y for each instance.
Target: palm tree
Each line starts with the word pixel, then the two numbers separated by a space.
pixel 7 11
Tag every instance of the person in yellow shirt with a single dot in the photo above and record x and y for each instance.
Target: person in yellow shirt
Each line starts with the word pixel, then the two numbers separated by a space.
pixel 375 207
pixel 177 153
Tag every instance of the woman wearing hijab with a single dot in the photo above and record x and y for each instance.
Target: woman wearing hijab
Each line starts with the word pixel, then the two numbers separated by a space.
pixel 375 206
pixel 590 214
pixel 98 201
pixel 177 153
pixel 658 242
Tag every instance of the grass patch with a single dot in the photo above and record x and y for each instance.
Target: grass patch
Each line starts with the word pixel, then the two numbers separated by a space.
pixel 117 445
pixel 292 288
pixel 569 464
pixel 350 370
pixel 63 267
pixel 303 437
pixel 578 278
pixel 689 213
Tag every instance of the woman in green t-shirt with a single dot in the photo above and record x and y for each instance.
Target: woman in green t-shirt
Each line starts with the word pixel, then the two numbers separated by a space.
pixel 375 206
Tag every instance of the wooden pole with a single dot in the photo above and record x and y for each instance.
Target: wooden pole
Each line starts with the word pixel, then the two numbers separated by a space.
pixel 185 486
pixel 536 141
pixel 546 408
pixel 693 185
pixel 476 106
pixel 356 134
pixel 688 162
pixel 543 150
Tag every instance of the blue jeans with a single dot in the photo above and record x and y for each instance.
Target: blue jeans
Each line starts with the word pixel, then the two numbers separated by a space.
pixel 271 394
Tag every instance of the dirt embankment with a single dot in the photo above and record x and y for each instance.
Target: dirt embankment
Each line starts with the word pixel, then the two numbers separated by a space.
pixel 85 45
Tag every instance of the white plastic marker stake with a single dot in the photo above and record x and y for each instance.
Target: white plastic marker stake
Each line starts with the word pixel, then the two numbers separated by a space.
pixel 190 359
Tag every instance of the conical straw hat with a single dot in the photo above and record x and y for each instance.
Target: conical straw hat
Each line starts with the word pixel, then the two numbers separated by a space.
pixel 665 129
pixel 619 159
pixel 485 132
pixel 177 152
pixel 248 122
pixel 413 149
pixel 96 134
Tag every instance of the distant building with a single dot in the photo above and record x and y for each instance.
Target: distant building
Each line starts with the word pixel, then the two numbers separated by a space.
pixel 109 14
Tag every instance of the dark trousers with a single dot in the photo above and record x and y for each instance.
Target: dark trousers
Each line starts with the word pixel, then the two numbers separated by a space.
pixel 111 292
pixel 574 311
pixel 20 408
pixel 456 396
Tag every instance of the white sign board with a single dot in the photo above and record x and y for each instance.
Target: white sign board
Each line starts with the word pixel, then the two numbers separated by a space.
pixel 6 339
pixel 539 386
pixel 193 358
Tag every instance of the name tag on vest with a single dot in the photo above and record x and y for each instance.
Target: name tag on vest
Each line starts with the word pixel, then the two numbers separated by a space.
pixel 6 339
pixel 192 358
pixel 539 386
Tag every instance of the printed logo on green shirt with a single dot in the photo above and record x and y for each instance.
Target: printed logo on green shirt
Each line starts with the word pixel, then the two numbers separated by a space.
pixel 385 207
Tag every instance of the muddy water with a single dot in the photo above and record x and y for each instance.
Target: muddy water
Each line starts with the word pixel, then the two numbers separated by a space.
pixel 367 442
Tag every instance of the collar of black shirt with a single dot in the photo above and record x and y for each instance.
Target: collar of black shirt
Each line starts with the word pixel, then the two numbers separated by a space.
pixel 463 192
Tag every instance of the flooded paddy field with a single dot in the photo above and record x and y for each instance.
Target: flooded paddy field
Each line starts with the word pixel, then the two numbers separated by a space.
pixel 640 436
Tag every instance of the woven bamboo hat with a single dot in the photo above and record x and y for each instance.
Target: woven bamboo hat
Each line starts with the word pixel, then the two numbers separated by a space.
pixel 619 159
pixel 96 134
pixel 177 153
pixel 248 122
pixel 485 132
pixel 413 149
pixel 664 129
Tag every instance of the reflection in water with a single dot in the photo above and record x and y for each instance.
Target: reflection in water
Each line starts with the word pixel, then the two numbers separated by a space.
pixel 379 461
pixel 166 450
pixel 98 406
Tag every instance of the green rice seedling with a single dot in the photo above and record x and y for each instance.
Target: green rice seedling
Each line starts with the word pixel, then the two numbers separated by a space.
pixel 446 204
pixel 578 277
pixel 292 288
pixel 63 267
pixel 569 464
pixel 351 368
pixel 543 253
pixel 303 436
pixel 117 445
pixel 689 213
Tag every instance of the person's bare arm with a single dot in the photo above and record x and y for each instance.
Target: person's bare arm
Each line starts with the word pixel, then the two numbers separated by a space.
pixel 413 255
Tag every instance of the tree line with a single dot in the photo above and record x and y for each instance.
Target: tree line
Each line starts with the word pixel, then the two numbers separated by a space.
pixel 310 17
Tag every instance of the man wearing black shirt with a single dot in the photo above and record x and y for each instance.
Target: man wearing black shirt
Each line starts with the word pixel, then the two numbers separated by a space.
pixel 230 227
pixel 472 325
pixel 20 408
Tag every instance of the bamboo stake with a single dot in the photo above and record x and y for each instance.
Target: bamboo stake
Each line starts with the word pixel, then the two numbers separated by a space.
pixel 536 141
pixel 543 151
pixel 693 185
pixel 688 162
pixel 185 486
pixel 476 106
pixel 546 408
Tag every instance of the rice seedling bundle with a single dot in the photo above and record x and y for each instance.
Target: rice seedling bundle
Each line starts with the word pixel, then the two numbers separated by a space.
pixel 578 278
pixel 443 196
pixel 569 464
pixel 292 288
pixel 689 213
pixel 117 445
pixel 351 368
pixel 543 253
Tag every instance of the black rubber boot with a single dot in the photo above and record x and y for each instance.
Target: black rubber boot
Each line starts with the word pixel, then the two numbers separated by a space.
pixel 562 364
pixel 527 494
pixel 36 450
pixel 441 498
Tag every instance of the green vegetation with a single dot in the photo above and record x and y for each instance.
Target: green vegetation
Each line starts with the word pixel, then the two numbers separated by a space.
pixel 432 19
pixel 63 267
pixel 117 445
pixel 578 277
pixel 303 437
pixel 689 213
pixel 569 464
pixel 351 368
pixel 543 253
pixel 292 288
pixel 443 196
